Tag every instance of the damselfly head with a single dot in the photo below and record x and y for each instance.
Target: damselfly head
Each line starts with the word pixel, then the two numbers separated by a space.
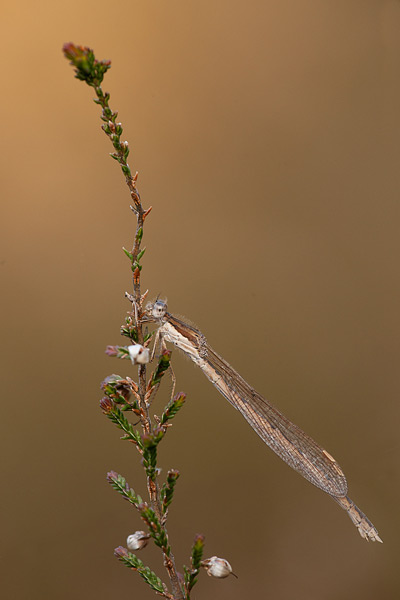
pixel 157 309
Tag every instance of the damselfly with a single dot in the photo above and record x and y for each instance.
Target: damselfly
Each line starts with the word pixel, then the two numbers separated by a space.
pixel 287 440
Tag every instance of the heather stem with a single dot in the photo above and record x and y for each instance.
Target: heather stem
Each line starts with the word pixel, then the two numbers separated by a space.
pixel 92 71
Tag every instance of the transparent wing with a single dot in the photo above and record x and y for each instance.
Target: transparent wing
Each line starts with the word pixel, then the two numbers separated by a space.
pixel 287 440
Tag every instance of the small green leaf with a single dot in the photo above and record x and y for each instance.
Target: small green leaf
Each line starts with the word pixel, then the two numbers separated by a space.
pixel 173 408
pixel 128 253
pixel 150 442
pixel 133 562
pixel 156 531
pixel 129 330
pixel 162 367
pixel 195 559
pixel 167 491
pixel 139 256
pixel 139 235
pixel 116 416
pixel 116 143
pixel 119 484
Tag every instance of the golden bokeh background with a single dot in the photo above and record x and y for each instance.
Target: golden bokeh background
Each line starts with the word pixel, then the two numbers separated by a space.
pixel 267 137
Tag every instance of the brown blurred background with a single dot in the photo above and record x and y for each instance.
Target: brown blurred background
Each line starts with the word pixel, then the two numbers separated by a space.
pixel 267 138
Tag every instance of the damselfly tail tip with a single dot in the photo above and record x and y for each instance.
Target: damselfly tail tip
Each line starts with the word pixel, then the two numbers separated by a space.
pixel 365 528
pixel 369 534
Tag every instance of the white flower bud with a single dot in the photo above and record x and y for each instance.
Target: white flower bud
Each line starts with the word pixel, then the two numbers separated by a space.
pixel 137 540
pixel 217 567
pixel 139 354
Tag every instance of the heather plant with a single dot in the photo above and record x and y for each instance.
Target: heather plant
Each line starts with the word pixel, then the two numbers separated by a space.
pixel 126 401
